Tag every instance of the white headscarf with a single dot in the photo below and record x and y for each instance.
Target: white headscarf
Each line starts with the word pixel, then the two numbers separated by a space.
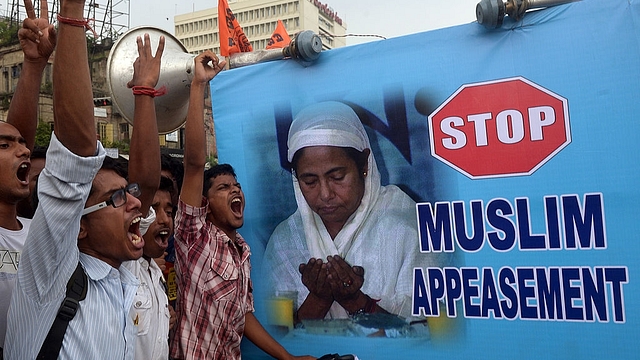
pixel 332 124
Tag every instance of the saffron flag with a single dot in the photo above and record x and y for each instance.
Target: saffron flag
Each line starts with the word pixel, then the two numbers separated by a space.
pixel 232 38
pixel 279 38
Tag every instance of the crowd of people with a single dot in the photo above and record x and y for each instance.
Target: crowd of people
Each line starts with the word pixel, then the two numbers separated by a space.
pixel 85 238
pixel 87 243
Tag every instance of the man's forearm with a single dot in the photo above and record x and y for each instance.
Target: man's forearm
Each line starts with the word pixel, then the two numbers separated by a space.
pixel 72 93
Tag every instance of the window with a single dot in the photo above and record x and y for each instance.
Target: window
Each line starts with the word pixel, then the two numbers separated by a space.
pixel 124 131
pixel 102 131
pixel 5 79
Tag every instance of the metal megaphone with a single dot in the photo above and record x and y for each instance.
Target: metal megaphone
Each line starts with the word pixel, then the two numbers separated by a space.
pixel 176 73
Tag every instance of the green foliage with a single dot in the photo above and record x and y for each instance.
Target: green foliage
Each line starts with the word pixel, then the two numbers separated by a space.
pixel 5 100
pixel 47 88
pixel 8 33
pixel 211 161
pixel 43 134
pixel 122 146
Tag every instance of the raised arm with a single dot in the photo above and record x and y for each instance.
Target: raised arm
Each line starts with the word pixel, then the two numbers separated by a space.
pixel 72 94
pixel 206 67
pixel 144 158
pixel 37 39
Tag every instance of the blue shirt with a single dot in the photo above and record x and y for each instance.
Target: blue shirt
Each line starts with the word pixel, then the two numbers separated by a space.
pixel 101 328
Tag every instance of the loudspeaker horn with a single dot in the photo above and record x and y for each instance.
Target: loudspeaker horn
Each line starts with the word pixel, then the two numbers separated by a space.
pixel 176 73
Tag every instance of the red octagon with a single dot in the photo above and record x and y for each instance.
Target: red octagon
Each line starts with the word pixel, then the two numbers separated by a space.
pixel 499 128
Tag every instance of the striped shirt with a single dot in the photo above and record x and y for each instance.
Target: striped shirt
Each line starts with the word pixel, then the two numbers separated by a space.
pixel 101 328
pixel 214 288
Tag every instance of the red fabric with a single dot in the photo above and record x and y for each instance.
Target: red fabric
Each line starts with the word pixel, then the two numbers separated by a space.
pixel 232 38
pixel 149 91
pixel 280 38
pixel 77 22
pixel 214 288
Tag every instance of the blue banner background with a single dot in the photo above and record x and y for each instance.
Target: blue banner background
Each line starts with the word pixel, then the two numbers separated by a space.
pixel 587 52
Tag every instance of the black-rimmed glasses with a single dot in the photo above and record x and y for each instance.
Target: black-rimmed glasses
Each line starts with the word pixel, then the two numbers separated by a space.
pixel 117 199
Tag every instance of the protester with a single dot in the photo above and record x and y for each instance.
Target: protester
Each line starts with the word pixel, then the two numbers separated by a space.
pixel 88 214
pixel 27 207
pixel 352 244
pixel 172 168
pixel 17 137
pixel 151 312
pixel 215 300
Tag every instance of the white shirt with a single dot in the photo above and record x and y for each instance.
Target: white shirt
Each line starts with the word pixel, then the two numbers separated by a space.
pixel 150 311
pixel 101 328
pixel 11 244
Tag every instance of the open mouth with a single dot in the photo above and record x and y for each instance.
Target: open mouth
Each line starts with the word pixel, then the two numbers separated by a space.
pixel 134 232
pixel 236 206
pixel 23 172
pixel 162 238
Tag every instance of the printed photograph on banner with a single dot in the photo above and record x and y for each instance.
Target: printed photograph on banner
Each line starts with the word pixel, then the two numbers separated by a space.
pixel 343 262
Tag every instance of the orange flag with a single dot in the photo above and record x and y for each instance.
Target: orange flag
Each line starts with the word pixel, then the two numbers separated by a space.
pixel 232 38
pixel 279 38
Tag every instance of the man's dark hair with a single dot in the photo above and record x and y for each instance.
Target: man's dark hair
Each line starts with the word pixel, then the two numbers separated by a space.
pixel 39 152
pixel 174 166
pixel 213 172
pixel 119 166
pixel 166 184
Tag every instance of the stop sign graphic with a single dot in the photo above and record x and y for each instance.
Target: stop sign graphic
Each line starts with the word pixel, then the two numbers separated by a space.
pixel 499 128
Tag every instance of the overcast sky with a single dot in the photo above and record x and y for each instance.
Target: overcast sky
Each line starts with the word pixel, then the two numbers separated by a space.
pixel 385 18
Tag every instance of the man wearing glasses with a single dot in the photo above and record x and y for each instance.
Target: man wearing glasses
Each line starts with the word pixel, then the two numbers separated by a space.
pixel 77 176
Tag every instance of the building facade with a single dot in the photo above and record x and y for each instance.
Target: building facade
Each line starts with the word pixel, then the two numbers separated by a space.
pixel 198 31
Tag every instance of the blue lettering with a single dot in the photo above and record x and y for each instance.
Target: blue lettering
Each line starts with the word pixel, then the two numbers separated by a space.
pixel 595 296
pixel 470 292
pixel 420 294
pixel 589 226
pixel 527 240
pixel 553 222
pixel 497 212
pixel 506 281
pixel 435 227
pixel 569 275
pixel 554 293
pixel 489 294
pixel 616 277
pixel 525 275
pixel 549 293
pixel 436 288
pixel 477 225
pixel 454 289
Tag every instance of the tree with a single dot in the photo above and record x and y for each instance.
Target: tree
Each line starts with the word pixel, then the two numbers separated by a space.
pixel 8 33
pixel 43 134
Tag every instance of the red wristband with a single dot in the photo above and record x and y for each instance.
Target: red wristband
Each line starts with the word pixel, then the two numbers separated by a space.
pixel 149 91
pixel 76 22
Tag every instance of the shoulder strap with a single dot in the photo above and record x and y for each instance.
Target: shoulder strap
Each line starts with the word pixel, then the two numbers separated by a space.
pixel 76 292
